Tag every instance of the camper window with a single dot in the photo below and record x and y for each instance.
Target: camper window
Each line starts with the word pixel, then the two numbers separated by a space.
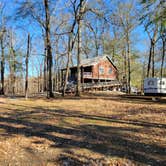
pixel 151 82
pixel 162 83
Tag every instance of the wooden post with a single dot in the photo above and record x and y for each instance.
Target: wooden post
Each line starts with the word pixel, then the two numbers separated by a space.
pixel 61 78
pixel 98 73
pixel 82 73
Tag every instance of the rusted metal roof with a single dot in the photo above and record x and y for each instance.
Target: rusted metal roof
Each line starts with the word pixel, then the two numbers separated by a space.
pixel 93 61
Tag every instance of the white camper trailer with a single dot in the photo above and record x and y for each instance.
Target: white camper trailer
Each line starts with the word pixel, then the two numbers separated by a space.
pixel 155 86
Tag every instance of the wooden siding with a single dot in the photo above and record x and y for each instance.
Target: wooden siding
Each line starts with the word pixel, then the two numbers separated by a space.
pixel 106 66
pixel 91 73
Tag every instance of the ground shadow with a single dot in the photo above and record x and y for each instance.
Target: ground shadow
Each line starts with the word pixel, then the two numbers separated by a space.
pixel 109 140
pixel 112 141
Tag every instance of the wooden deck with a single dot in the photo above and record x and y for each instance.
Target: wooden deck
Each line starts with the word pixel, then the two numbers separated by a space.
pixel 101 85
pixel 98 86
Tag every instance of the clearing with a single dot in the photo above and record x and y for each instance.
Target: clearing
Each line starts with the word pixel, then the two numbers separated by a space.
pixel 93 130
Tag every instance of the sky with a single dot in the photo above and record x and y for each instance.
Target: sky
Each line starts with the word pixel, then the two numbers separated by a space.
pixel 22 27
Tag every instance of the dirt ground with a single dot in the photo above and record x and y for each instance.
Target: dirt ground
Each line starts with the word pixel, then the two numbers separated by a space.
pixel 95 130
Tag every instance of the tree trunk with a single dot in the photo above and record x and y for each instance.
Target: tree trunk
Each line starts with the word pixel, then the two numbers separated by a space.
pixel 125 64
pixel 79 22
pixel 48 47
pixel 128 61
pixel 13 79
pixel 78 88
pixel 153 54
pixel 45 68
pixel 113 54
pixel 163 56
pixel 2 66
pixel 150 58
pixel 26 62
pixel 68 63
pixel 143 77
pixel 41 82
pixel 96 46
pixel 125 68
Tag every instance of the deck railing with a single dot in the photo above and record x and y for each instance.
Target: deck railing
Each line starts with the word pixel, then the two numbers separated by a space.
pixel 97 85
pixel 101 84
pixel 87 74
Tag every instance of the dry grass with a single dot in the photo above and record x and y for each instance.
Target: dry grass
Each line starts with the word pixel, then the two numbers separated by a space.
pixel 94 130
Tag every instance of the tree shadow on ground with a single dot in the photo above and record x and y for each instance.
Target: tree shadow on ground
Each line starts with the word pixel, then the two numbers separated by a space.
pixel 107 140
pixel 78 114
pixel 137 99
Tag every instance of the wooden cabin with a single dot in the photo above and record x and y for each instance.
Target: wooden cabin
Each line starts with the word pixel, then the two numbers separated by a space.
pixel 94 70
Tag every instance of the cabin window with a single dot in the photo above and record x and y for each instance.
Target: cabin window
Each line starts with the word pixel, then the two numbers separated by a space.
pixel 110 71
pixel 101 70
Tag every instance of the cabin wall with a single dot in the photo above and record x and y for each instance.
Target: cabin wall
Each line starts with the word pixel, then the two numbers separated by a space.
pixel 106 65
pixel 93 74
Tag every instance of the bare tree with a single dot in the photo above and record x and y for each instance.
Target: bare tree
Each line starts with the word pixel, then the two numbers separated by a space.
pixel 26 62
pixel 71 42
pixel 2 60
pixel 153 15
pixel 126 18
pixel 79 18
pixel 163 57
pixel 163 38
pixel 12 63
pixel 48 46
pixel 153 40
pixel 41 14
pixel 2 38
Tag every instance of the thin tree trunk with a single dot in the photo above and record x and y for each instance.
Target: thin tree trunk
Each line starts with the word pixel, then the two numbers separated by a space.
pixel 38 83
pixel 41 82
pixel 68 63
pixel 97 49
pixel 27 61
pixel 57 81
pixel 143 77
pixel 13 79
pixel 150 57
pixel 125 66
pixel 153 54
pixel 96 46
pixel 45 68
pixel 128 60
pixel 113 54
pixel 11 65
pixel 163 56
pixel 2 66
